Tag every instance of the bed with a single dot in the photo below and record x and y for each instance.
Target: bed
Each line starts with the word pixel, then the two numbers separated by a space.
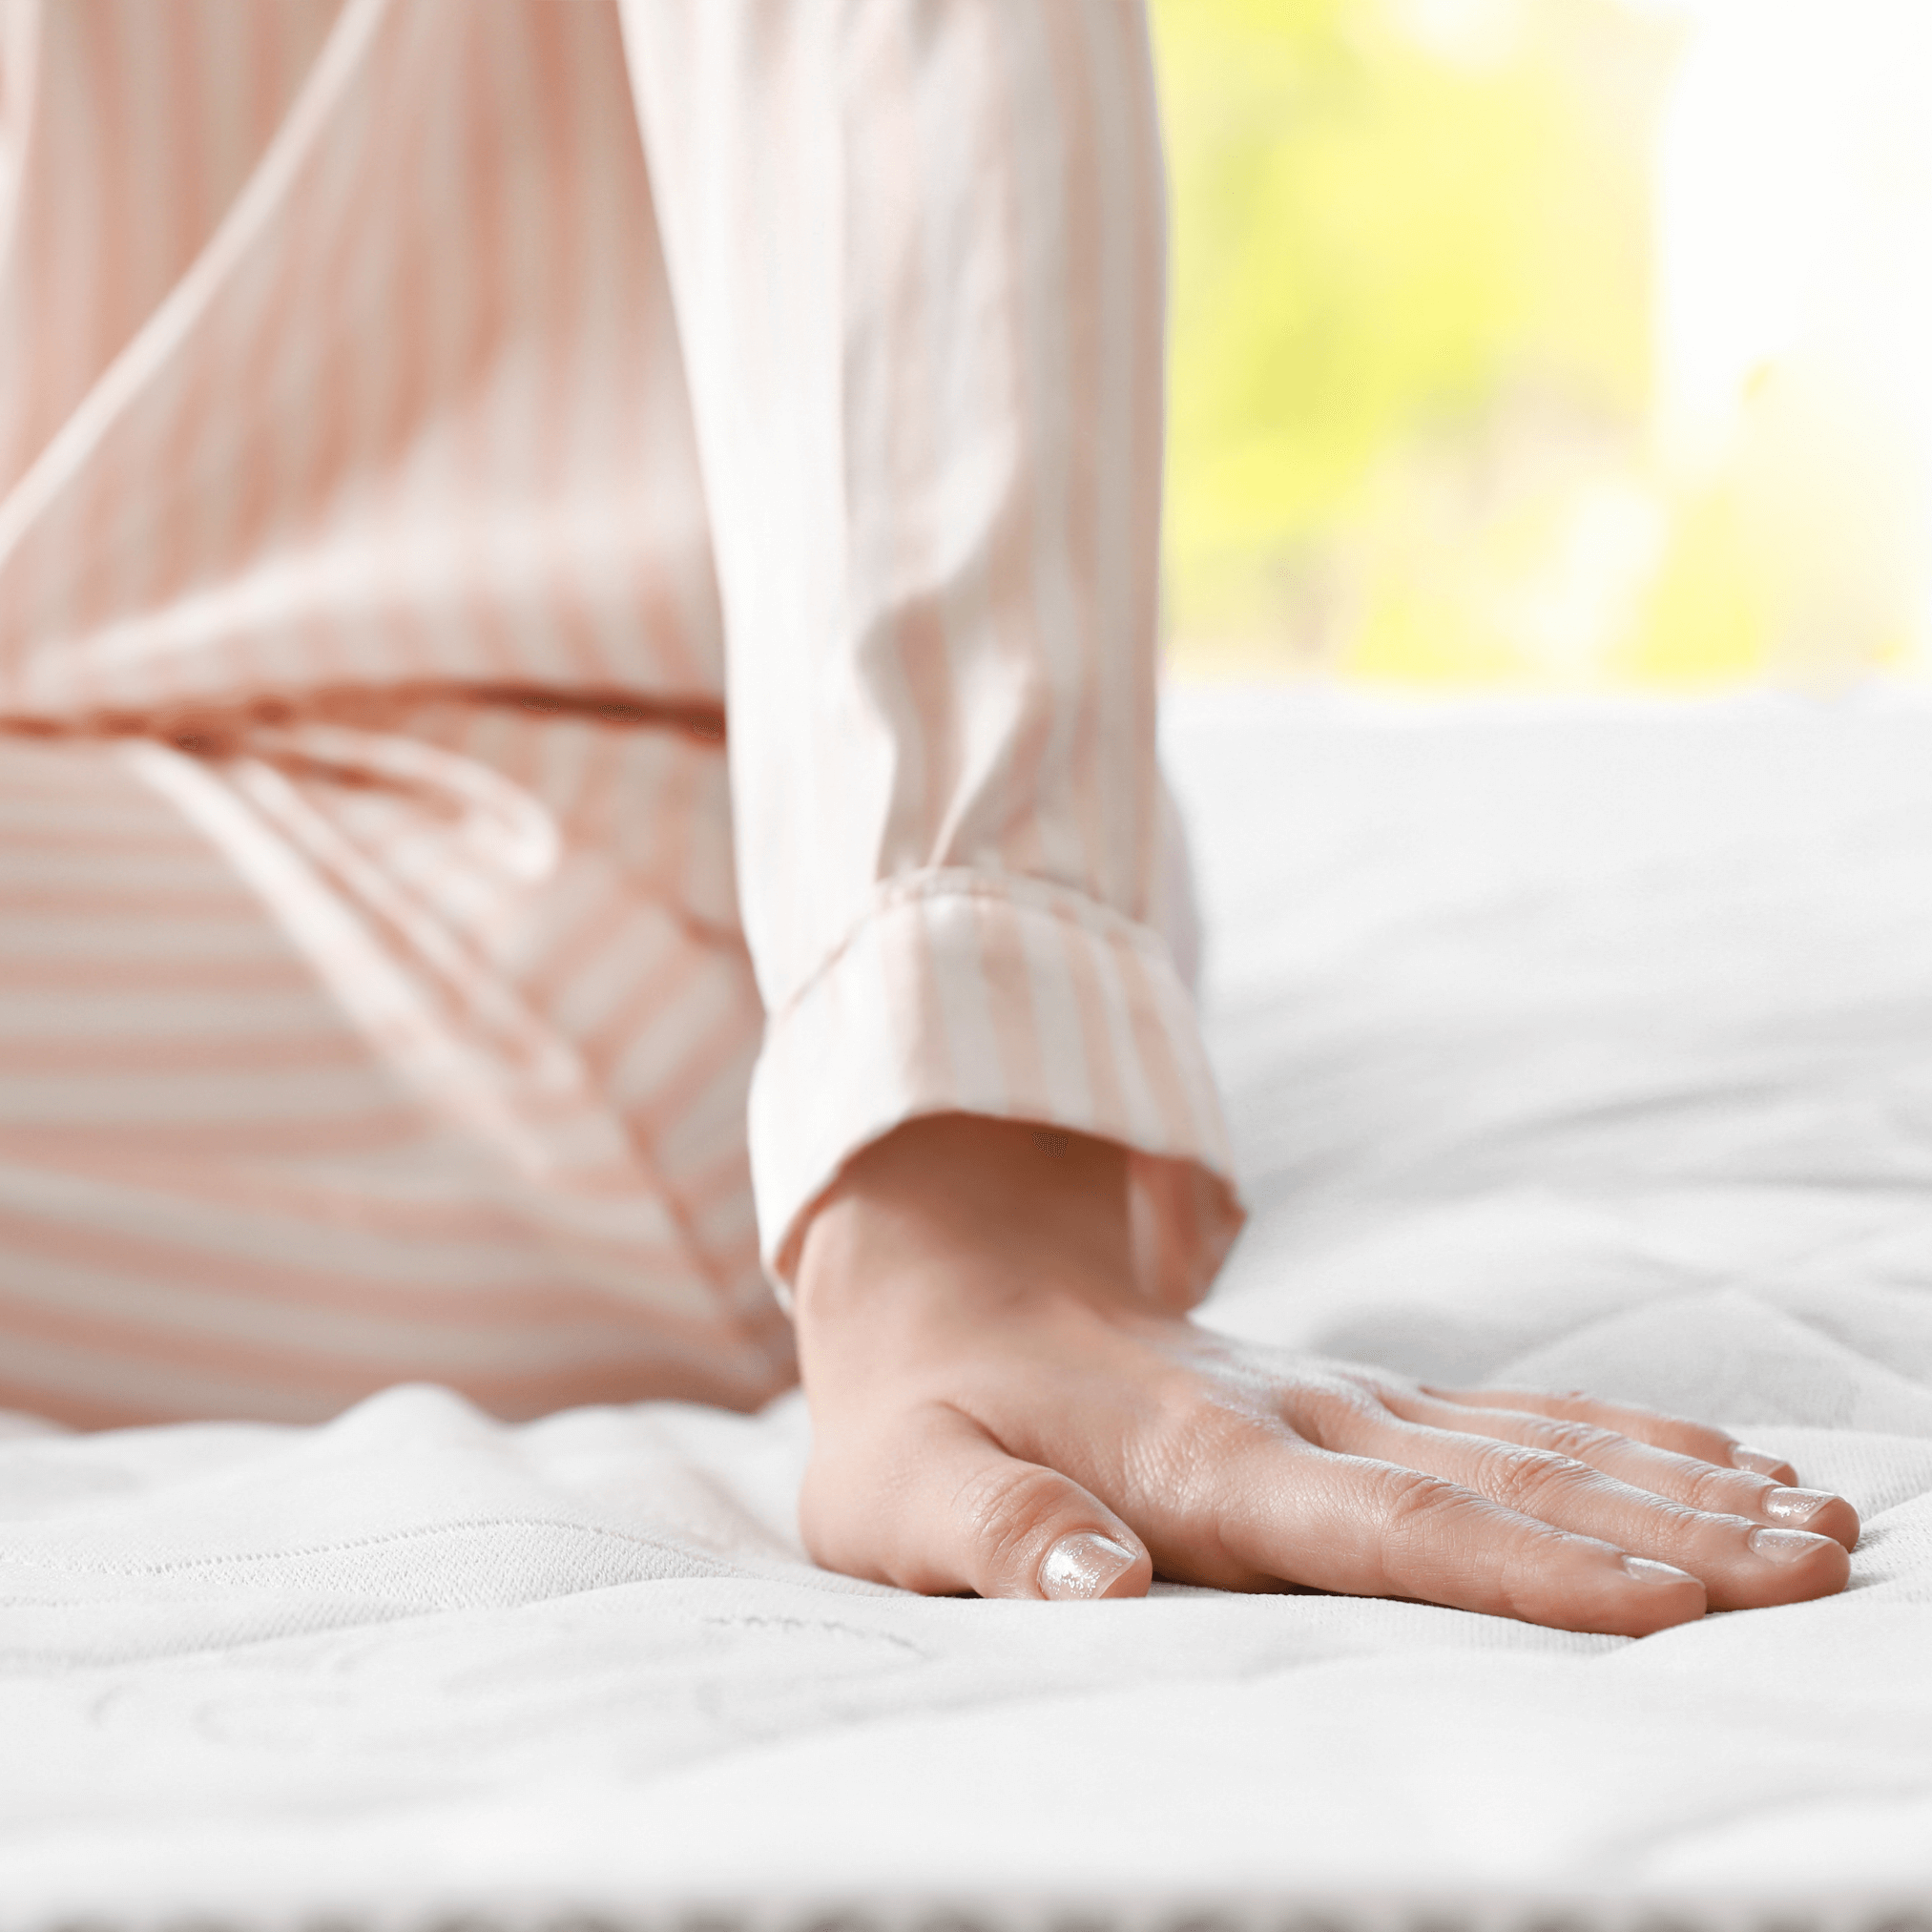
pixel 1564 1046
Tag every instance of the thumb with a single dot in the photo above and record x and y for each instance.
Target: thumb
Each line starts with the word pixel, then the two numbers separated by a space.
pixel 952 1511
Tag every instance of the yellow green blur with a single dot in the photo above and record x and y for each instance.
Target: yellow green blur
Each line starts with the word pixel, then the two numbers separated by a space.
pixel 1411 370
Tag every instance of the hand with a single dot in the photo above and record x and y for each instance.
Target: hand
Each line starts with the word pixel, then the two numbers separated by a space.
pixel 996 1407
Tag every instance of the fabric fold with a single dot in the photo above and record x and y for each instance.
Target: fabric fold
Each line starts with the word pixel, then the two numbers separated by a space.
pixel 972 991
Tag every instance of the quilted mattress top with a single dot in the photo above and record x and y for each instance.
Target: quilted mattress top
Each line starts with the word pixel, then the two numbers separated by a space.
pixel 1566 1046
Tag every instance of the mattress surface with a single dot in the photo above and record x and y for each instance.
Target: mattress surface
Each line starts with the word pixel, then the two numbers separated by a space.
pixel 1563 1048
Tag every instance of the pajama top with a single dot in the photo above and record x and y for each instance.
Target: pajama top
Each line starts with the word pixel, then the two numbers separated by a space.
pixel 406 405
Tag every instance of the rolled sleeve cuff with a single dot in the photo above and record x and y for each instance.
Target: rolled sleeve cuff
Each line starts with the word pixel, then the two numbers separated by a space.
pixel 967 991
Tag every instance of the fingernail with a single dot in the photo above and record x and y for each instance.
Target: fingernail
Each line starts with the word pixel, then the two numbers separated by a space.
pixel 1759 1461
pixel 1083 1565
pixel 1646 1570
pixel 1793 1506
pixel 1785 1546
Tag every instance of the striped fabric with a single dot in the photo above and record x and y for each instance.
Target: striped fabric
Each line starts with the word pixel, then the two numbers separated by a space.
pixel 309 1085
pixel 425 425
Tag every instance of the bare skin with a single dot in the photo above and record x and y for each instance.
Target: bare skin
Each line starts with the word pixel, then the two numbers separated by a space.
pixel 987 1382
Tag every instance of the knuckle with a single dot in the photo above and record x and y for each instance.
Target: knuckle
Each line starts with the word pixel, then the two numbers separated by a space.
pixel 1526 1480
pixel 1437 1530
pixel 1002 1509
pixel 1720 1492
pixel 1197 1437
pixel 1411 1501
pixel 1328 1413
pixel 1578 1441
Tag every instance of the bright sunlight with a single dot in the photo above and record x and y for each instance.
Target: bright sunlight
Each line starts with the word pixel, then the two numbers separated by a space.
pixel 1567 344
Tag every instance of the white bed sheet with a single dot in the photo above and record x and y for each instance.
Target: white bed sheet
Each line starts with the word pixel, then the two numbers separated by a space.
pixel 1564 1047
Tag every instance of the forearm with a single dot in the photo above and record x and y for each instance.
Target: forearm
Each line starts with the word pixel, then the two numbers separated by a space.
pixel 917 253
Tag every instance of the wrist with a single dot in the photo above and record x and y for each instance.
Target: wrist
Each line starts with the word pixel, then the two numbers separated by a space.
pixel 957 1208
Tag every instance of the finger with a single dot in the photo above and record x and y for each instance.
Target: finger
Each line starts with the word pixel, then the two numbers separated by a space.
pixel 1743 1565
pixel 1366 1528
pixel 952 1511
pixel 1663 1472
pixel 1643 1425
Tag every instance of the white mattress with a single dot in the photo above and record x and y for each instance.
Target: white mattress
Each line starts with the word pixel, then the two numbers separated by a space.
pixel 1562 1046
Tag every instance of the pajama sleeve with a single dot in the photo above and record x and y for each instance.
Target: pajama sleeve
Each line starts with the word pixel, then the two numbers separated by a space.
pixel 916 253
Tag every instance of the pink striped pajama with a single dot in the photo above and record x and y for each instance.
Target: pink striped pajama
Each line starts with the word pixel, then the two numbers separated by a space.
pixel 572 577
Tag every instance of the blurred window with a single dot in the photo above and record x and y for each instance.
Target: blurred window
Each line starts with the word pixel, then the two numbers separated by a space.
pixel 1575 344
